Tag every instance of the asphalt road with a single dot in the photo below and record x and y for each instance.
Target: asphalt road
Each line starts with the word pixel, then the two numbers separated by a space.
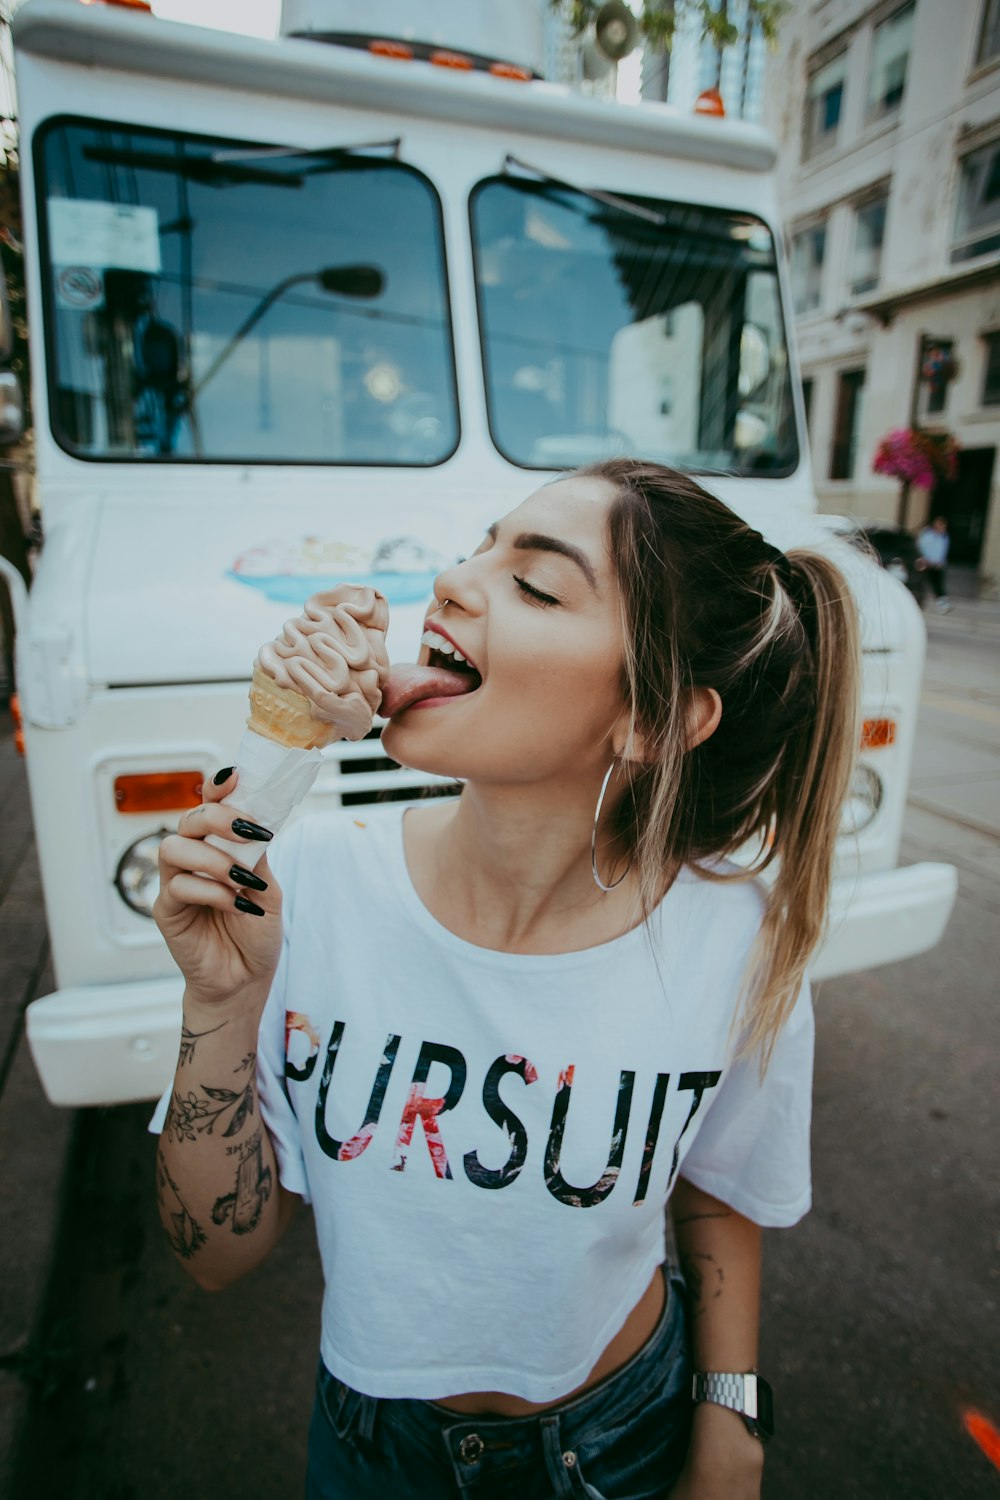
pixel 880 1318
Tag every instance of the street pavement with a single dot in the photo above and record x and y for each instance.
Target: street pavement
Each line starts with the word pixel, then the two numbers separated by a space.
pixel 121 1379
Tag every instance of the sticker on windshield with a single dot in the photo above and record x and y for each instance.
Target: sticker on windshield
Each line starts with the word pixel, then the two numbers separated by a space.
pixel 105 235
pixel 288 572
pixel 80 288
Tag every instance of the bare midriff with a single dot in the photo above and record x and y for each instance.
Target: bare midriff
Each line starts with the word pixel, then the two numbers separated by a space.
pixel 636 1331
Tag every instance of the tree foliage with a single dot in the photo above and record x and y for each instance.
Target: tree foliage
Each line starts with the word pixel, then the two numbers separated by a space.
pixel 659 19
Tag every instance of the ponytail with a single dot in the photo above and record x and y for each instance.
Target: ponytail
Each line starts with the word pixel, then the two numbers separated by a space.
pixel 810 783
pixel 708 603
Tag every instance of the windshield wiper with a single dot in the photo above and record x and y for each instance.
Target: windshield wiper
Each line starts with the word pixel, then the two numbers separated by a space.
pixel 198 168
pixel 328 155
pixel 620 205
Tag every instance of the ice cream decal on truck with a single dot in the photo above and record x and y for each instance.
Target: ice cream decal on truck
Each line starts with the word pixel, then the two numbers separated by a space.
pixel 288 572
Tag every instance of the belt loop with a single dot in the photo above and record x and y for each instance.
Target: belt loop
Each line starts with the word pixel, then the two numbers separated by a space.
pixel 344 1408
pixel 367 1413
pixel 560 1466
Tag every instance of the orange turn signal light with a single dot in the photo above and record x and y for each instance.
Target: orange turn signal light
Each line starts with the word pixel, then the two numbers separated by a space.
pixel 386 48
pixel 158 791
pixel 878 734
pixel 511 70
pixel 18 717
pixel 709 102
pixel 124 4
pixel 456 60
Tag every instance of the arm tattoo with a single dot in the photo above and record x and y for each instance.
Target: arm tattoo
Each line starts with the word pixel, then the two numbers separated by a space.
pixel 198 1114
pixel 695 1277
pixel 722 1213
pixel 185 1234
pixel 245 1204
pixel 190 1039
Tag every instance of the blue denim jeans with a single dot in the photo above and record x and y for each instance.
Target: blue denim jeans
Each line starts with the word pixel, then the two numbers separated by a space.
pixel 624 1439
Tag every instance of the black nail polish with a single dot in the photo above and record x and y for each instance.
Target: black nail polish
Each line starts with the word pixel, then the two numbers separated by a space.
pixel 243 903
pixel 223 775
pixel 247 877
pixel 248 830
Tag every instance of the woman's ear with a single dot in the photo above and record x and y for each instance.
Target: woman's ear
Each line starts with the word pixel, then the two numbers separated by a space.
pixel 704 710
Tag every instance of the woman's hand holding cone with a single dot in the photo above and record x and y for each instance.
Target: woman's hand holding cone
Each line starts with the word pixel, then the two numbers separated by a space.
pixel 223 930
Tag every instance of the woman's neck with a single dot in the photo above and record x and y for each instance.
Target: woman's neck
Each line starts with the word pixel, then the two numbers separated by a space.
pixel 509 868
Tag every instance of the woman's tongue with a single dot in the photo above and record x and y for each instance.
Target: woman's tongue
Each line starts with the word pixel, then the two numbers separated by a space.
pixel 409 683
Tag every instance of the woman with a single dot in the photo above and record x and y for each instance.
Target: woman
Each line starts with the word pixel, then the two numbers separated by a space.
pixel 571 1003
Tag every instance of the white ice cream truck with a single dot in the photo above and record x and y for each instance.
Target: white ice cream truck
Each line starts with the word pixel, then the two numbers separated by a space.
pixel 322 308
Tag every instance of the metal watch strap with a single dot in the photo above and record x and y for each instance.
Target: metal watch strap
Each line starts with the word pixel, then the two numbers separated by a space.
pixel 740 1393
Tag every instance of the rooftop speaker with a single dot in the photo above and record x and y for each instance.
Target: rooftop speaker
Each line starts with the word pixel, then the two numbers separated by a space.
pixel 616 30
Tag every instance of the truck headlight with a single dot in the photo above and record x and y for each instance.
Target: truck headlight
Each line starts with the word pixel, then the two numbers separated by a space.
pixel 138 874
pixel 863 800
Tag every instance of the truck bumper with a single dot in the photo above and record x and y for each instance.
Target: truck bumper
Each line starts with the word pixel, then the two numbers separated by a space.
pixel 115 1043
pixel 880 919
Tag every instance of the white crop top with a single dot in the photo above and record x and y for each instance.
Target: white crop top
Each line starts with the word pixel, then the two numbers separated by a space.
pixel 489 1139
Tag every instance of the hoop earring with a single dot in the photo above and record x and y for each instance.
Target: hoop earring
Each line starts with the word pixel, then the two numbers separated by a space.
pixel 593 836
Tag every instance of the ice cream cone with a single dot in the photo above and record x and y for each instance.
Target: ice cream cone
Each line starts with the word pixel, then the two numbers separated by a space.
pixel 284 716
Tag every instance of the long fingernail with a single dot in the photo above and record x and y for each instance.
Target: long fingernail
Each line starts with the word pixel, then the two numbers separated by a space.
pixel 248 830
pixel 223 775
pixel 247 877
pixel 243 903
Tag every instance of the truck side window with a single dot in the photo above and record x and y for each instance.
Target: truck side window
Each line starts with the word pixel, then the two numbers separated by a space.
pixel 204 303
pixel 604 332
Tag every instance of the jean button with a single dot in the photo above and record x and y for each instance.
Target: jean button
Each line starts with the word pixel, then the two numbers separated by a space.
pixel 470 1449
pixel 569 1459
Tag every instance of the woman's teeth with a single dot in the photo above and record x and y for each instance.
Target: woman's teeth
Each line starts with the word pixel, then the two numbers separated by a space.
pixel 439 643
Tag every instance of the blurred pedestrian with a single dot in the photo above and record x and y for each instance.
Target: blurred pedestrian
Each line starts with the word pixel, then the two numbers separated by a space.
pixel 933 543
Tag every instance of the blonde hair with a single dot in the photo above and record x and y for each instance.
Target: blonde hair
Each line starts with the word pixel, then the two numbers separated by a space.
pixel 708 603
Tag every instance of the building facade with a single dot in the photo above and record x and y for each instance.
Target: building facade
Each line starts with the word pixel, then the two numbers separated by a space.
pixel 888 122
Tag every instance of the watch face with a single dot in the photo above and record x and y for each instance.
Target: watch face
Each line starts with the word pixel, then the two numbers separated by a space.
pixel 765 1407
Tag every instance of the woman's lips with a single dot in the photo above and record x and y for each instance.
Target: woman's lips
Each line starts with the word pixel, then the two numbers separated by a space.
pixel 410 683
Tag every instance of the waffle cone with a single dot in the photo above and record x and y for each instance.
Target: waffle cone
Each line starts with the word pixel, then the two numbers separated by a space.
pixel 282 715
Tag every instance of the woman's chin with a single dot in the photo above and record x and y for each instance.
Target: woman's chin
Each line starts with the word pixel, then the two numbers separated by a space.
pixel 405 748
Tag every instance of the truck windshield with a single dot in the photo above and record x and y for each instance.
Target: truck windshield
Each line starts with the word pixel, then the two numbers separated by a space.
pixel 206 303
pixel 605 332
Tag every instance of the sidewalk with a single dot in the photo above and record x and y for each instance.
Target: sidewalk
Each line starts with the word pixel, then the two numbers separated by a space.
pixel 33 1135
pixel 980 617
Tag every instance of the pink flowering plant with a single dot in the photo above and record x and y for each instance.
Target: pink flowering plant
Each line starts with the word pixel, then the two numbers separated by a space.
pixel 917 457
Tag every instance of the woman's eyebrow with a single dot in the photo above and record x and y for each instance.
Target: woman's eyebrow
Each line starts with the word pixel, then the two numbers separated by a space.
pixel 537 541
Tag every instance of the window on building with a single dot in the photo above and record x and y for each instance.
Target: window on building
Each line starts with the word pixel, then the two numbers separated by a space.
pixel 869 231
pixel 890 58
pixel 807 401
pixel 808 252
pixel 977 221
pixel 991 379
pixel 989 33
pixel 847 424
pixel 824 99
pixel 937 370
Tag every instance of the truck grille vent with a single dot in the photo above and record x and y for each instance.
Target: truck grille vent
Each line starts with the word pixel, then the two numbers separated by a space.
pixel 376 778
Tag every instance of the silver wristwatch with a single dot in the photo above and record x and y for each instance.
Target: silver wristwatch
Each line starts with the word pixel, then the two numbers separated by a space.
pixel 749 1395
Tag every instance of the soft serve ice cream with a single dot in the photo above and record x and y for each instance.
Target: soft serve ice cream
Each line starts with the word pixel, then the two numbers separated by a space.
pixel 320 680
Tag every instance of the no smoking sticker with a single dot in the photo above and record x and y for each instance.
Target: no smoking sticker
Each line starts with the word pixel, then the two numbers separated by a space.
pixel 79 287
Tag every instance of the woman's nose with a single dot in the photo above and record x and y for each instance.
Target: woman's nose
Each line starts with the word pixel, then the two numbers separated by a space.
pixel 454 585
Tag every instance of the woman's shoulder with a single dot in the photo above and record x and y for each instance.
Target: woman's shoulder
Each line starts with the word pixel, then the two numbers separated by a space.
pixel 722 895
